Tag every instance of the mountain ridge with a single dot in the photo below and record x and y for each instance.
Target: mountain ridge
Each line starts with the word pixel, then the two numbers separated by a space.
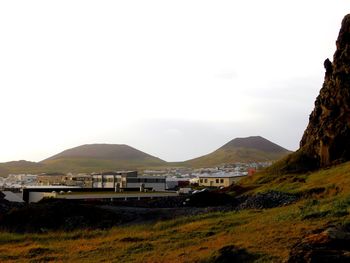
pixel 102 151
pixel 254 142
pixel 244 149
pixel 103 156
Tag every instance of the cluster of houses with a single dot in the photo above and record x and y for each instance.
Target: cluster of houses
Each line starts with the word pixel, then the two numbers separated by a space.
pixel 15 181
pixel 117 180
pixel 131 180
pixel 156 182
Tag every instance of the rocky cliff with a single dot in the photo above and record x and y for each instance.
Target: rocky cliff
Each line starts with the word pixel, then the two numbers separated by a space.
pixel 326 140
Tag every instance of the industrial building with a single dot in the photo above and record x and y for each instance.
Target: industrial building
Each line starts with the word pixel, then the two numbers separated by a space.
pixel 81 180
pixel 47 179
pixel 128 180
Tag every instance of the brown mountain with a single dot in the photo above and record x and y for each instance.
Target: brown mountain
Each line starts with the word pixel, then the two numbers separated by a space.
pixel 99 157
pixel 255 142
pixel 86 158
pixel 114 152
pixel 326 140
pixel 249 149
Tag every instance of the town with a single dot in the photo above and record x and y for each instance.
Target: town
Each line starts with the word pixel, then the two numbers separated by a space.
pixel 120 184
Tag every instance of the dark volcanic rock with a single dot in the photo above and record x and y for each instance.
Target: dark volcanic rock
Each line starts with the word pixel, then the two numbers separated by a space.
pixel 231 254
pixel 269 199
pixel 59 215
pixel 326 140
pixel 329 245
pixel 206 199
pixel 6 205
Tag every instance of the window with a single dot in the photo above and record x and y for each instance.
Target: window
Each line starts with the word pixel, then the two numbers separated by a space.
pixel 217 181
pixel 201 181
pixel 205 180
pixel 221 181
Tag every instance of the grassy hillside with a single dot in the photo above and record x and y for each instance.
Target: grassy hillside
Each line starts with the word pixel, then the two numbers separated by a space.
pixel 113 152
pixel 77 165
pixel 3 170
pixel 17 167
pixel 250 149
pixel 255 142
pixel 100 157
pixel 222 156
pixel 87 158
pixel 105 157
pixel 96 165
pixel 263 235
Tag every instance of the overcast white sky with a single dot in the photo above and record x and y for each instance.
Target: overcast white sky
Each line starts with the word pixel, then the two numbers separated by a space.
pixel 176 79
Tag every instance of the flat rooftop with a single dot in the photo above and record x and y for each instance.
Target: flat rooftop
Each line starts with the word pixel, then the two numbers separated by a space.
pixel 113 195
pixel 50 187
pixel 220 175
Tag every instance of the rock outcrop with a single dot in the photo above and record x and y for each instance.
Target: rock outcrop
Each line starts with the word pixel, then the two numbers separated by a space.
pixel 328 245
pixel 266 200
pixel 326 140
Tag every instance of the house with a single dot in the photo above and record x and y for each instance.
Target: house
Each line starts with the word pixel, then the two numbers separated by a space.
pixel 219 179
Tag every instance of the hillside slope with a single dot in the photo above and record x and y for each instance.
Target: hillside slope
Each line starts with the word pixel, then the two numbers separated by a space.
pixel 249 149
pixel 86 158
pixel 100 157
pixel 308 229
pixel 103 157
pixel 22 166
pixel 113 152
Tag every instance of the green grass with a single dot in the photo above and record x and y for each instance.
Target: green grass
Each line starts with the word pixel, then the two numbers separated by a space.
pixel 186 239
pixel 222 156
pixel 269 234
pixel 88 165
pixel 80 165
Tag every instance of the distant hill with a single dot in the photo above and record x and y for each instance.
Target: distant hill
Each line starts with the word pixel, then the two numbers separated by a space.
pixel 108 157
pixel 87 158
pixel 100 157
pixel 115 152
pixel 249 149
pixel 3 170
pixel 21 166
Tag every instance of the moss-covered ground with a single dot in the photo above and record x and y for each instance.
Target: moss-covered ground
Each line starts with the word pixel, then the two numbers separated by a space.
pixel 268 234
